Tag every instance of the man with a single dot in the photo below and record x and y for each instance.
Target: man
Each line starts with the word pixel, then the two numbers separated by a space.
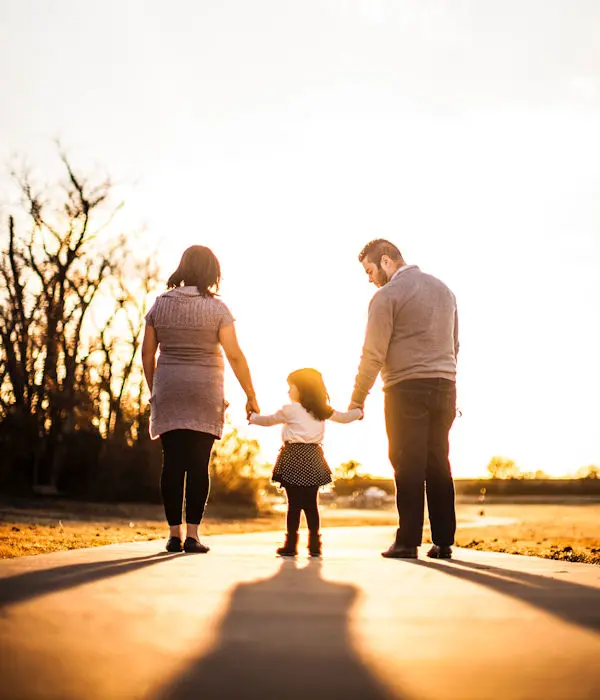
pixel 412 338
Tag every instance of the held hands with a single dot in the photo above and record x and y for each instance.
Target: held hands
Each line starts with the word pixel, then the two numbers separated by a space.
pixel 251 406
pixel 354 405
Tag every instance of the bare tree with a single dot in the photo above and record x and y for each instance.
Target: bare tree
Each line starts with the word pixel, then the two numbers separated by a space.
pixel 62 261
pixel 117 348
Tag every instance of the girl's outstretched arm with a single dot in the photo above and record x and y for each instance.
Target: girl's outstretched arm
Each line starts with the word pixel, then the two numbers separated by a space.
pixel 273 419
pixel 347 417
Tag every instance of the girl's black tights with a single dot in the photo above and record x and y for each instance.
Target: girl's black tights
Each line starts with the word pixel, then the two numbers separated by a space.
pixel 186 455
pixel 302 498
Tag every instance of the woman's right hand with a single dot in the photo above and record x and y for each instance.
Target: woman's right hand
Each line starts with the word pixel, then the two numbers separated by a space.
pixel 252 406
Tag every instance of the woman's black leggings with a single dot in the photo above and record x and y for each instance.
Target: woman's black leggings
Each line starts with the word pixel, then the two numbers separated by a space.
pixel 185 452
pixel 302 498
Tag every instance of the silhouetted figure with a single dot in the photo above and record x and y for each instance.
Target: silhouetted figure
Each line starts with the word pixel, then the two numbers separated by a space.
pixel 284 637
pixel 191 327
pixel 301 467
pixel 412 339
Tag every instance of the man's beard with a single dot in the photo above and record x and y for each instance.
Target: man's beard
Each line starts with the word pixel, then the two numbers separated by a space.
pixel 382 279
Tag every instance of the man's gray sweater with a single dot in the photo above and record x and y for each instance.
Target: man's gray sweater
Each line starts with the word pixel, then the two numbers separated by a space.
pixel 412 332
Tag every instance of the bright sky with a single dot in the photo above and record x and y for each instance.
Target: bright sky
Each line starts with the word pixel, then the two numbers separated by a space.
pixel 285 135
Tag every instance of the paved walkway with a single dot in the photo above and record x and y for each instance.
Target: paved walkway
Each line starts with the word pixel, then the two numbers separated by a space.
pixel 128 621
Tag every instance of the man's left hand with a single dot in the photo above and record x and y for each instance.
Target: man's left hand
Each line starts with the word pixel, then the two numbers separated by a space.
pixel 353 404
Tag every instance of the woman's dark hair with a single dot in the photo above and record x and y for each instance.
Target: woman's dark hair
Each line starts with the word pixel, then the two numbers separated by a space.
pixel 198 267
pixel 313 394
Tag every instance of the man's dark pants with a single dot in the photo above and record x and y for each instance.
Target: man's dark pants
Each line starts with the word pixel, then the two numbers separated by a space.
pixel 418 415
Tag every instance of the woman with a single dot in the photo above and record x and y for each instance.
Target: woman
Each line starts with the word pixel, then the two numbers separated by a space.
pixel 190 326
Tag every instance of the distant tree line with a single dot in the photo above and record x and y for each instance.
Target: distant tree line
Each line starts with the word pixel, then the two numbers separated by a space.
pixel 504 468
pixel 74 410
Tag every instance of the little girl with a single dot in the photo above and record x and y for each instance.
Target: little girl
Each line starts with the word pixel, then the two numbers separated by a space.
pixel 301 467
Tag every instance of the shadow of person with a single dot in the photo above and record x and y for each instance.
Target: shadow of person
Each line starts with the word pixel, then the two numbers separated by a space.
pixel 31 584
pixel 573 602
pixel 282 637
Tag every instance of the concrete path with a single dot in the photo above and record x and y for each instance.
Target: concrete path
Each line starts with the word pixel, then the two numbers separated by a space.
pixel 129 621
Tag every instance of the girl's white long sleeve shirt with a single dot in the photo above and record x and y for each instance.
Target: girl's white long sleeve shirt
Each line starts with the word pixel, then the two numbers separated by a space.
pixel 299 425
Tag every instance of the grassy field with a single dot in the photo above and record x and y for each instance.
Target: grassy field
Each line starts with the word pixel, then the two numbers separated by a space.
pixel 29 528
pixel 34 528
pixel 568 531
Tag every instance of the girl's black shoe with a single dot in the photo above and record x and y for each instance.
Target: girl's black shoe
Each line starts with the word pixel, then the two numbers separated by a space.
pixel 290 546
pixel 174 544
pixel 192 546
pixel 314 544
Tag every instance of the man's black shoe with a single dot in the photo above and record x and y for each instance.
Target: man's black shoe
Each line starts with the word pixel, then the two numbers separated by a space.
pixel 440 552
pixel 174 545
pixel 398 552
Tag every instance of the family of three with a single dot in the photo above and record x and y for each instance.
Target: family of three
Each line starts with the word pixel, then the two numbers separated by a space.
pixel 411 339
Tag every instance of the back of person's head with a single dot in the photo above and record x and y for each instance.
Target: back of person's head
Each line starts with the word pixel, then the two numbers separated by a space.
pixel 376 249
pixel 199 268
pixel 312 393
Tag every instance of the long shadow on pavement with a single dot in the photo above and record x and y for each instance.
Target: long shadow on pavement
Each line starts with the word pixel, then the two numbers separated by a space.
pixel 283 637
pixel 572 602
pixel 31 584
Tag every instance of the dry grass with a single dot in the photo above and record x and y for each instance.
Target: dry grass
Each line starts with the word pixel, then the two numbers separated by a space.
pixel 29 529
pixel 567 531
pixel 22 539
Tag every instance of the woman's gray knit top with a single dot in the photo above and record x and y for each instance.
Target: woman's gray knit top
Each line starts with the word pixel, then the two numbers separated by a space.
pixel 187 391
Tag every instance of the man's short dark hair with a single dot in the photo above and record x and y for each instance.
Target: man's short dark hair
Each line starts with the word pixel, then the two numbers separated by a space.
pixel 375 250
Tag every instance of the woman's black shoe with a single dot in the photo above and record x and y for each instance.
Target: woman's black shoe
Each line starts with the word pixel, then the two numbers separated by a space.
pixel 290 546
pixel 174 544
pixel 192 546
